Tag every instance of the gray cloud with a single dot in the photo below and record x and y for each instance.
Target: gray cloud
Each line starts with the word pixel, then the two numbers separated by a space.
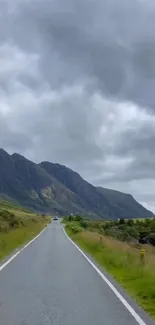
pixel 77 82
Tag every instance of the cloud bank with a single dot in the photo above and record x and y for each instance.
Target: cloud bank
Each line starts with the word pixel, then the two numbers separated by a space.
pixel 77 86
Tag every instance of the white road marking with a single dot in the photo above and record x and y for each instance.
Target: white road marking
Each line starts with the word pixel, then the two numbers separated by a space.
pixel 116 292
pixel 16 254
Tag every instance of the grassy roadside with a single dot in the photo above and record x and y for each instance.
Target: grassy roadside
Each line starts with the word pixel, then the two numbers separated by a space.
pixel 15 238
pixel 123 262
pixel 18 226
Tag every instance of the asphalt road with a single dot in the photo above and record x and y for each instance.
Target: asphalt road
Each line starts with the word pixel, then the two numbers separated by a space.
pixel 51 283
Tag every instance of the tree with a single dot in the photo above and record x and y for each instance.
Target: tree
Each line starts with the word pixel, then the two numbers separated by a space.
pixel 78 218
pixel 84 224
pixel 130 222
pixel 71 218
pixel 153 225
pixel 122 221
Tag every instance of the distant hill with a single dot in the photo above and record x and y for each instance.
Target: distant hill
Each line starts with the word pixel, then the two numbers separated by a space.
pixel 124 205
pixel 48 187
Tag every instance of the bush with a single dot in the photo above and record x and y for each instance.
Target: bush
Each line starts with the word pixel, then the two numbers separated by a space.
pixel 78 218
pixel 121 221
pixel 130 222
pixel 152 225
pixel 4 227
pixel 84 224
pixel 11 221
pixel 74 227
pixel 70 218
pixel 133 232
pixel 124 230
pixel 151 238
pixel 8 220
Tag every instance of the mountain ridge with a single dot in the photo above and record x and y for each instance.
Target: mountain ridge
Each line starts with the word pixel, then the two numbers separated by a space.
pixel 49 187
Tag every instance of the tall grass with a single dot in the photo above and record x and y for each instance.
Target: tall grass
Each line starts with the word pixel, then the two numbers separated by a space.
pixel 123 262
pixel 12 239
pixel 18 226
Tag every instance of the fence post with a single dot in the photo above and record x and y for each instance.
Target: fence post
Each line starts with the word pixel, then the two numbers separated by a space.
pixel 142 256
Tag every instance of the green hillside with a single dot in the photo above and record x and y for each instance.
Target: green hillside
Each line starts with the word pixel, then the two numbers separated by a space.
pixel 17 226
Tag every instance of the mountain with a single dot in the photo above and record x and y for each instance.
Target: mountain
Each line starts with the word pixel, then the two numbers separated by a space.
pixel 49 187
pixel 124 205
pixel 30 185
pixel 94 201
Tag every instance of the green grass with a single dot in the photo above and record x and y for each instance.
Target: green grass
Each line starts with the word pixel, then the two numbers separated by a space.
pixel 123 262
pixel 13 239
pixel 4 204
pixel 17 226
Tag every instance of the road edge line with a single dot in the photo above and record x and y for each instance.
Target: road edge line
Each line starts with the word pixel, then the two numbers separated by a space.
pixel 111 286
pixel 16 254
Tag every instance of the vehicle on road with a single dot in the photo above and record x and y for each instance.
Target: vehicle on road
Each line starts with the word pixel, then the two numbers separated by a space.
pixel 55 218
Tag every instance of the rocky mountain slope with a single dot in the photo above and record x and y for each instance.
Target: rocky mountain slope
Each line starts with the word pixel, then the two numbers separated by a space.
pixel 52 187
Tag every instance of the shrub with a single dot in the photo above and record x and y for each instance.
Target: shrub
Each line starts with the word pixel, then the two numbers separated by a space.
pixel 152 225
pixel 130 222
pixel 8 220
pixel 152 239
pixel 71 218
pixel 121 221
pixel 4 226
pixel 133 232
pixel 74 227
pixel 84 224
pixel 78 218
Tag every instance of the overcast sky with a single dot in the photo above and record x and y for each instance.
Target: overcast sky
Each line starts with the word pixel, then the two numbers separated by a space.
pixel 77 86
